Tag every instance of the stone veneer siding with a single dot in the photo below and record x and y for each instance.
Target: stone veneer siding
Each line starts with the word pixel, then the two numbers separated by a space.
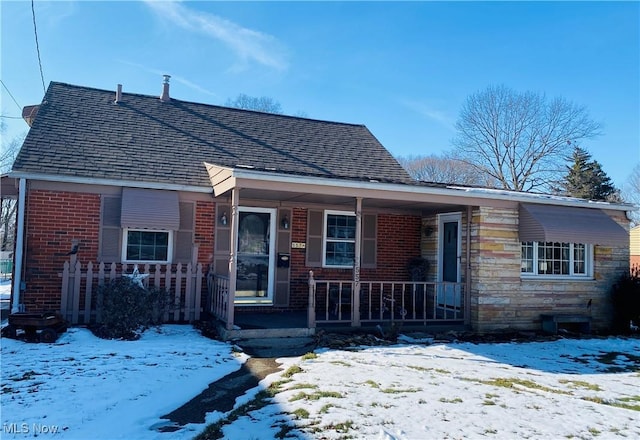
pixel 501 299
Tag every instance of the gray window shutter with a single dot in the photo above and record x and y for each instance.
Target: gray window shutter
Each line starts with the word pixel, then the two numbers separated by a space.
pixel 184 236
pixel 110 232
pixel 369 243
pixel 315 220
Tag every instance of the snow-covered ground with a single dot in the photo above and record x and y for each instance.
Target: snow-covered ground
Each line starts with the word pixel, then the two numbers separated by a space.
pixel 83 387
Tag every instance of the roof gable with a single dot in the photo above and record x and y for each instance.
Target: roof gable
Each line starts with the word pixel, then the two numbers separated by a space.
pixel 81 132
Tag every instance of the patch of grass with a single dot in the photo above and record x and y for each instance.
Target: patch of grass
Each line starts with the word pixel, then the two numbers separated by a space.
pixel 456 400
pixel 399 390
pixel 325 408
pixel 625 402
pixel 581 384
pixel 316 395
pixel 309 356
pixel 343 427
pixel 418 368
pixel 488 403
pixel 303 386
pixel 301 413
pixel 277 385
pixel 372 384
pixel 294 369
pixel 343 363
pixel 594 431
pixel 514 383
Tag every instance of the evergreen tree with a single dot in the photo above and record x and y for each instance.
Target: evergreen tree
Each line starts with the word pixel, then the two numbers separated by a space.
pixel 586 179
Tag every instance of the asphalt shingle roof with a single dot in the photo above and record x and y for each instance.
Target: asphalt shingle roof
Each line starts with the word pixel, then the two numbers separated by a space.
pixel 81 132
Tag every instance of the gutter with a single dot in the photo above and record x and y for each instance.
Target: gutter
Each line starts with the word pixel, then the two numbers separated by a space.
pixel 19 250
pixel 450 191
pixel 110 182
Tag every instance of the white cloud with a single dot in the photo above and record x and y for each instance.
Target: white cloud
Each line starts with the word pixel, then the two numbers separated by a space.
pixel 249 45
pixel 175 78
pixel 429 112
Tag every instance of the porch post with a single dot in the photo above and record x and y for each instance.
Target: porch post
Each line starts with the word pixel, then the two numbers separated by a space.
pixel 20 247
pixel 467 271
pixel 233 255
pixel 355 309
pixel 311 308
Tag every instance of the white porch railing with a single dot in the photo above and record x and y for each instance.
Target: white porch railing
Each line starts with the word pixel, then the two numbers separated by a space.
pixel 330 301
pixel 217 295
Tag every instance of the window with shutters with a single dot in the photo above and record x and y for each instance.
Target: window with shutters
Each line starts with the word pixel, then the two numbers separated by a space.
pixel 339 239
pixel 147 246
pixel 331 239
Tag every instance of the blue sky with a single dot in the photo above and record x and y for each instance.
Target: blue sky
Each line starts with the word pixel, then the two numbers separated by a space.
pixel 403 69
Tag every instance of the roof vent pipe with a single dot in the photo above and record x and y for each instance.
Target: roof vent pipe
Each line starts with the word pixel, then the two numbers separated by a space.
pixel 118 94
pixel 165 89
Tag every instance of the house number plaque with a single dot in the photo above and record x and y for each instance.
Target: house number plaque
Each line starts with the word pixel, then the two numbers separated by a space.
pixel 298 245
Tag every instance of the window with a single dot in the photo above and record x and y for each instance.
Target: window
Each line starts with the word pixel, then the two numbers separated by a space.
pixel 555 259
pixel 339 239
pixel 147 245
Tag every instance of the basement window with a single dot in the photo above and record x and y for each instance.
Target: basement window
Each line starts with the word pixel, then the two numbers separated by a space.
pixel 147 246
pixel 556 260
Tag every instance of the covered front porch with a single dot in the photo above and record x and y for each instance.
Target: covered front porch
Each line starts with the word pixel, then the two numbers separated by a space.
pixel 296 253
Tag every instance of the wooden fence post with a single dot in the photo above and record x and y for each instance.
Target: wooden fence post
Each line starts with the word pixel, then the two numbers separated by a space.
pixel 198 291
pixel 87 296
pixel 76 292
pixel 64 298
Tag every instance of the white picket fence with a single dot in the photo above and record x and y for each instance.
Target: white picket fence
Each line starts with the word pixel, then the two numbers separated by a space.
pixel 80 287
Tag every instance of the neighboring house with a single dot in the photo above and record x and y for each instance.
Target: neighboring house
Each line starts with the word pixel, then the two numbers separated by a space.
pixel 261 200
pixel 634 246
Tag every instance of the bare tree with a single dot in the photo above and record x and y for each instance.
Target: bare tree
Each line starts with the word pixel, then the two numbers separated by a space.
pixel 520 139
pixel 8 152
pixel 631 192
pixel 444 169
pixel 261 104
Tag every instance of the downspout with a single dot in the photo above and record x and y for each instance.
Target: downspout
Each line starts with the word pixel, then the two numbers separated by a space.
pixel 467 274
pixel 19 255
pixel 355 310
pixel 233 256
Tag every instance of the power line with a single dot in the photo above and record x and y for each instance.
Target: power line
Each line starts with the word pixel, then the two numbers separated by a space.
pixel 35 31
pixel 7 89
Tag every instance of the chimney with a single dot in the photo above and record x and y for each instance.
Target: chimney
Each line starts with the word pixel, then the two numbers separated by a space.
pixel 118 94
pixel 165 89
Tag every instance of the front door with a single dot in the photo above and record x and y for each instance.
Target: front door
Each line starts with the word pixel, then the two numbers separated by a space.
pixel 255 262
pixel 449 295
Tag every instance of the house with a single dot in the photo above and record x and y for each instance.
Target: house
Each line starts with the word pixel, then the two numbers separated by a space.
pixel 299 222
pixel 634 246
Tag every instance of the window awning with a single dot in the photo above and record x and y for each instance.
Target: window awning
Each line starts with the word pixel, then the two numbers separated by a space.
pixel 565 224
pixel 150 209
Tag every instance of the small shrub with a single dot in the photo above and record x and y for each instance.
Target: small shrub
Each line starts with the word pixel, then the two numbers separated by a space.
pixel 127 308
pixel 625 296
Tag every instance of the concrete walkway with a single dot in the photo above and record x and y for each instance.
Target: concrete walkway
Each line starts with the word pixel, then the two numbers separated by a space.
pixel 221 395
